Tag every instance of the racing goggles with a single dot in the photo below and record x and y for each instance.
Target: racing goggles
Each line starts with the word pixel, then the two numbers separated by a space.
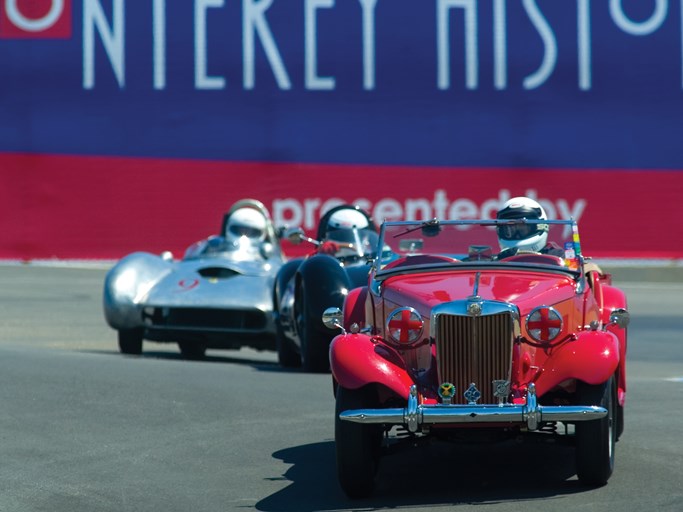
pixel 246 231
pixel 520 230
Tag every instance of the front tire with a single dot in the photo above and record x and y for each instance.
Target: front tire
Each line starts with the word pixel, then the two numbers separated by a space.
pixel 357 445
pixel 595 439
pixel 130 341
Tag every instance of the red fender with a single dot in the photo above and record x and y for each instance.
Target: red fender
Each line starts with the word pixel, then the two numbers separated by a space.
pixel 592 358
pixel 356 361
pixel 354 307
pixel 614 298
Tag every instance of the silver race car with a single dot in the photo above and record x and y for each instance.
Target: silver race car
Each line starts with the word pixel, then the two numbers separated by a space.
pixel 218 296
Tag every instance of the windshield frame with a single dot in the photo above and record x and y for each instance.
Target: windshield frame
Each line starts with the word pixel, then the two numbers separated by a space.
pixel 433 227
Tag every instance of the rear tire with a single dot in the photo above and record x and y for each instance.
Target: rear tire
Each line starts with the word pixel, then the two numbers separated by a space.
pixel 130 341
pixel 286 355
pixel 192 351
pixel 357 445
pixel 595 439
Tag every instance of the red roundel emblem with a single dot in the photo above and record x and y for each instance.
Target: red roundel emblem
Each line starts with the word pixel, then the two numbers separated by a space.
pixel 35 19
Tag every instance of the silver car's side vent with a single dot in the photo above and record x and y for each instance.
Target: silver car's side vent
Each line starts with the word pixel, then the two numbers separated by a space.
pixel 217 272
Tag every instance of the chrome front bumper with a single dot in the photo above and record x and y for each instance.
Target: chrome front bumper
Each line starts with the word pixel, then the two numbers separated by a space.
pixel 532 414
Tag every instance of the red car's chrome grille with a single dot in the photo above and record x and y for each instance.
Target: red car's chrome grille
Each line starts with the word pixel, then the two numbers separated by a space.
pixel 474 349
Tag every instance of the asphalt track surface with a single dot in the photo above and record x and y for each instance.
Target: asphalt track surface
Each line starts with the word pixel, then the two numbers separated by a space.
pixel 83 428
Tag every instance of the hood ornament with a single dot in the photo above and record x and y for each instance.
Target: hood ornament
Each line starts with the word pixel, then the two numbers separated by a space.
pixel 474 301
pixel 474 308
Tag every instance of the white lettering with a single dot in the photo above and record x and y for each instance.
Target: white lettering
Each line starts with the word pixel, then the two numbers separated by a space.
pixel 310 206
pixel 368 43
pixel 634 28
pixel 500 78
pixel 418 209
pixel 110 27
pixel 440 204
pixel 490 207
pixel 574 212
pixel 159 35
pixel 550 54
pixel 584 42
pixel 462 209
pixel 313 81
pixel 112 40
pixel 254 21
pixel 35 24
pixel 387 209
pixel 329 204
pixel 287 212
pixel 443 42
pixel 201 79
pixel 363 203
pixel 306 213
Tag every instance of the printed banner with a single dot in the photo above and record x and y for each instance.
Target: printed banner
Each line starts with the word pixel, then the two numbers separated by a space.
pixel 163 112
pixel 104 208
pixel 576 84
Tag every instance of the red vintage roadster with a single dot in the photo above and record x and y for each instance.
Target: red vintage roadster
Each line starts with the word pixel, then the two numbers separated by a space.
pixel 451 339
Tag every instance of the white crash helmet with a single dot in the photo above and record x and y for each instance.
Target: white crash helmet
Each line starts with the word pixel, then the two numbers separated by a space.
pixel 347 219
pixel 523 237
pixel 246 222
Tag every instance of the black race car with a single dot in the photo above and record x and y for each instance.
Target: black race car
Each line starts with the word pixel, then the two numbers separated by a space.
pixel 304 287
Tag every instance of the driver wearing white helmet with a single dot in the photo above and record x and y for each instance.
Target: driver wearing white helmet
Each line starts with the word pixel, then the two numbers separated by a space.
pixel 346 233
pixel 524 237
pixel 246 224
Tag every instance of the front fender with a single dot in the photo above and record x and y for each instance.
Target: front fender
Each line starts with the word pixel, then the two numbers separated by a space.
pixel 325 282
pixel 592 358
pixel 354 307
pixel 127 283
pixel 282 279
pixel 355 361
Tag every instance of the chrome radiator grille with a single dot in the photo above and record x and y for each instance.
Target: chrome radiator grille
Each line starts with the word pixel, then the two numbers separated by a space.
pixel 474 349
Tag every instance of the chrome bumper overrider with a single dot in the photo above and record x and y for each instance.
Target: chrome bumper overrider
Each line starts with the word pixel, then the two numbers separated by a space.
pixel 532 413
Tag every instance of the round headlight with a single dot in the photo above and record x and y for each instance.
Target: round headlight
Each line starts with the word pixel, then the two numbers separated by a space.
pixel 404 326
pixel 544 324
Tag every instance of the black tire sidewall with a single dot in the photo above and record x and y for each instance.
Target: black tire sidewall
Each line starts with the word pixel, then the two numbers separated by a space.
pixel 357 446
pixel 594 442
pixel 315 343
pixel 130 341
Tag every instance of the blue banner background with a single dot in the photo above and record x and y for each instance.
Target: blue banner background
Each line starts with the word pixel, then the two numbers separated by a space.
pixel 629 118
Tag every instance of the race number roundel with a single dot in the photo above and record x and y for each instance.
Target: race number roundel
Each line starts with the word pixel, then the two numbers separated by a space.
pixel 35 19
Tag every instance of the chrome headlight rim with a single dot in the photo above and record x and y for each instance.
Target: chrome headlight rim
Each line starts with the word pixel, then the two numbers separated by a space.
pixel 536 332
pixel 415 333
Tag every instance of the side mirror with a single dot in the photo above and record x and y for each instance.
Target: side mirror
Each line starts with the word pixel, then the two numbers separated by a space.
pixel 333 318
pixel 619 317
pixel 294 235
